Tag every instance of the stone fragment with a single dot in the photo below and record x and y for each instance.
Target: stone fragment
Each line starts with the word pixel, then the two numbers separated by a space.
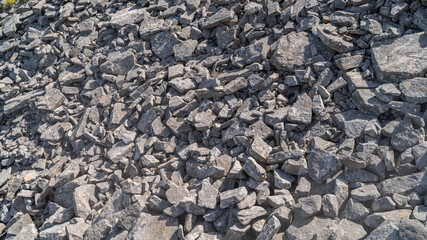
pixel 119 150
pixel 183 85
pixel 365 193
pixel 207 195
pixel 270 228
pixel 412 229
pixel 184 51
pixel 162 44
pixel 83 196
pixel 52 99
pixel 295 49
pixel 353 122
pixel 309 228
pixel 222 16
pixel 387 92
pixel 254 170
pixel 118 115
pixel 355 211
pixel 253 53
pixel 259 150
pixel 420 18
pixel 366 101
pixel 282 180
pixel 322 165
pixel 387 230
pixel 56 132
pixel 301 110
pixel 405 184
pixel 9 27
pixel 330 205
pixel 98 230
pixel 419 152
pixel 348 230
pixel 76 229
pixel 308 206
pixel 232 196
pixel 400 58
pixel 350 62
pixel 327 33
pixel 129 15
pixel 404 135
pixel 247 215
pixel 21 101
pixel 383 204
pixel 414 90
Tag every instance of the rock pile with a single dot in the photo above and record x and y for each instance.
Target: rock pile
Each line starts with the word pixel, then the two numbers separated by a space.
pixel 213 119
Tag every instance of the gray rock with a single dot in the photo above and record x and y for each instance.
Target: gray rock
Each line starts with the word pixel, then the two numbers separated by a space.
pixel 259 150
pixel 412 229
pixel 98 230
pixel 222 16
pixel 247 215
pixel 383 204
pixel 55 232
pixel 420 213
pixel 282 180
pixel 9 27
pixel 52 99
pixel 119 63
pixel 366 101
pixel 256 52
pixel 162 44
pixel 119 150
pixel 308 206
pixel 154 227
pixel 322 165
pixel 207 195
pixel 353 122
pixel 355 211
pixel 365 193
pixel 235 85
pixel 294 49
pixel 184 51
pixel 419 153
pixel 330 206
pixel 129 15
pixel 387 92
pixel 301 110
pixel 254 170
pixel 232 196
pixel 420 18
pixel 356 81
pixel 348 230
pixel 350 62
pixel 394 59
pixel 327 33
pixel 404 135
pixel 21 101
pixel 83 196
pixel 118 115
pixel 414 90
pixel 270 228
pixel 76 229
pixel 309 228
pixel 56 132
pixel 387 230
pixel 28 232
pixel 414 182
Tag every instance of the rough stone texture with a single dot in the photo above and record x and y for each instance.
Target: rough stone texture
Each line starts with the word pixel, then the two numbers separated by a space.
pixel 294 50
pixel 400 58
pixel 414 90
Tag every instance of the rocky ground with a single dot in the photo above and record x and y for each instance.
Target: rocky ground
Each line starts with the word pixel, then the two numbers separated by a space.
pixel 213 119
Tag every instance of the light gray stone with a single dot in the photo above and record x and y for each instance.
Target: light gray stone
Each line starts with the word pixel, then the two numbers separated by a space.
pixel 400 58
